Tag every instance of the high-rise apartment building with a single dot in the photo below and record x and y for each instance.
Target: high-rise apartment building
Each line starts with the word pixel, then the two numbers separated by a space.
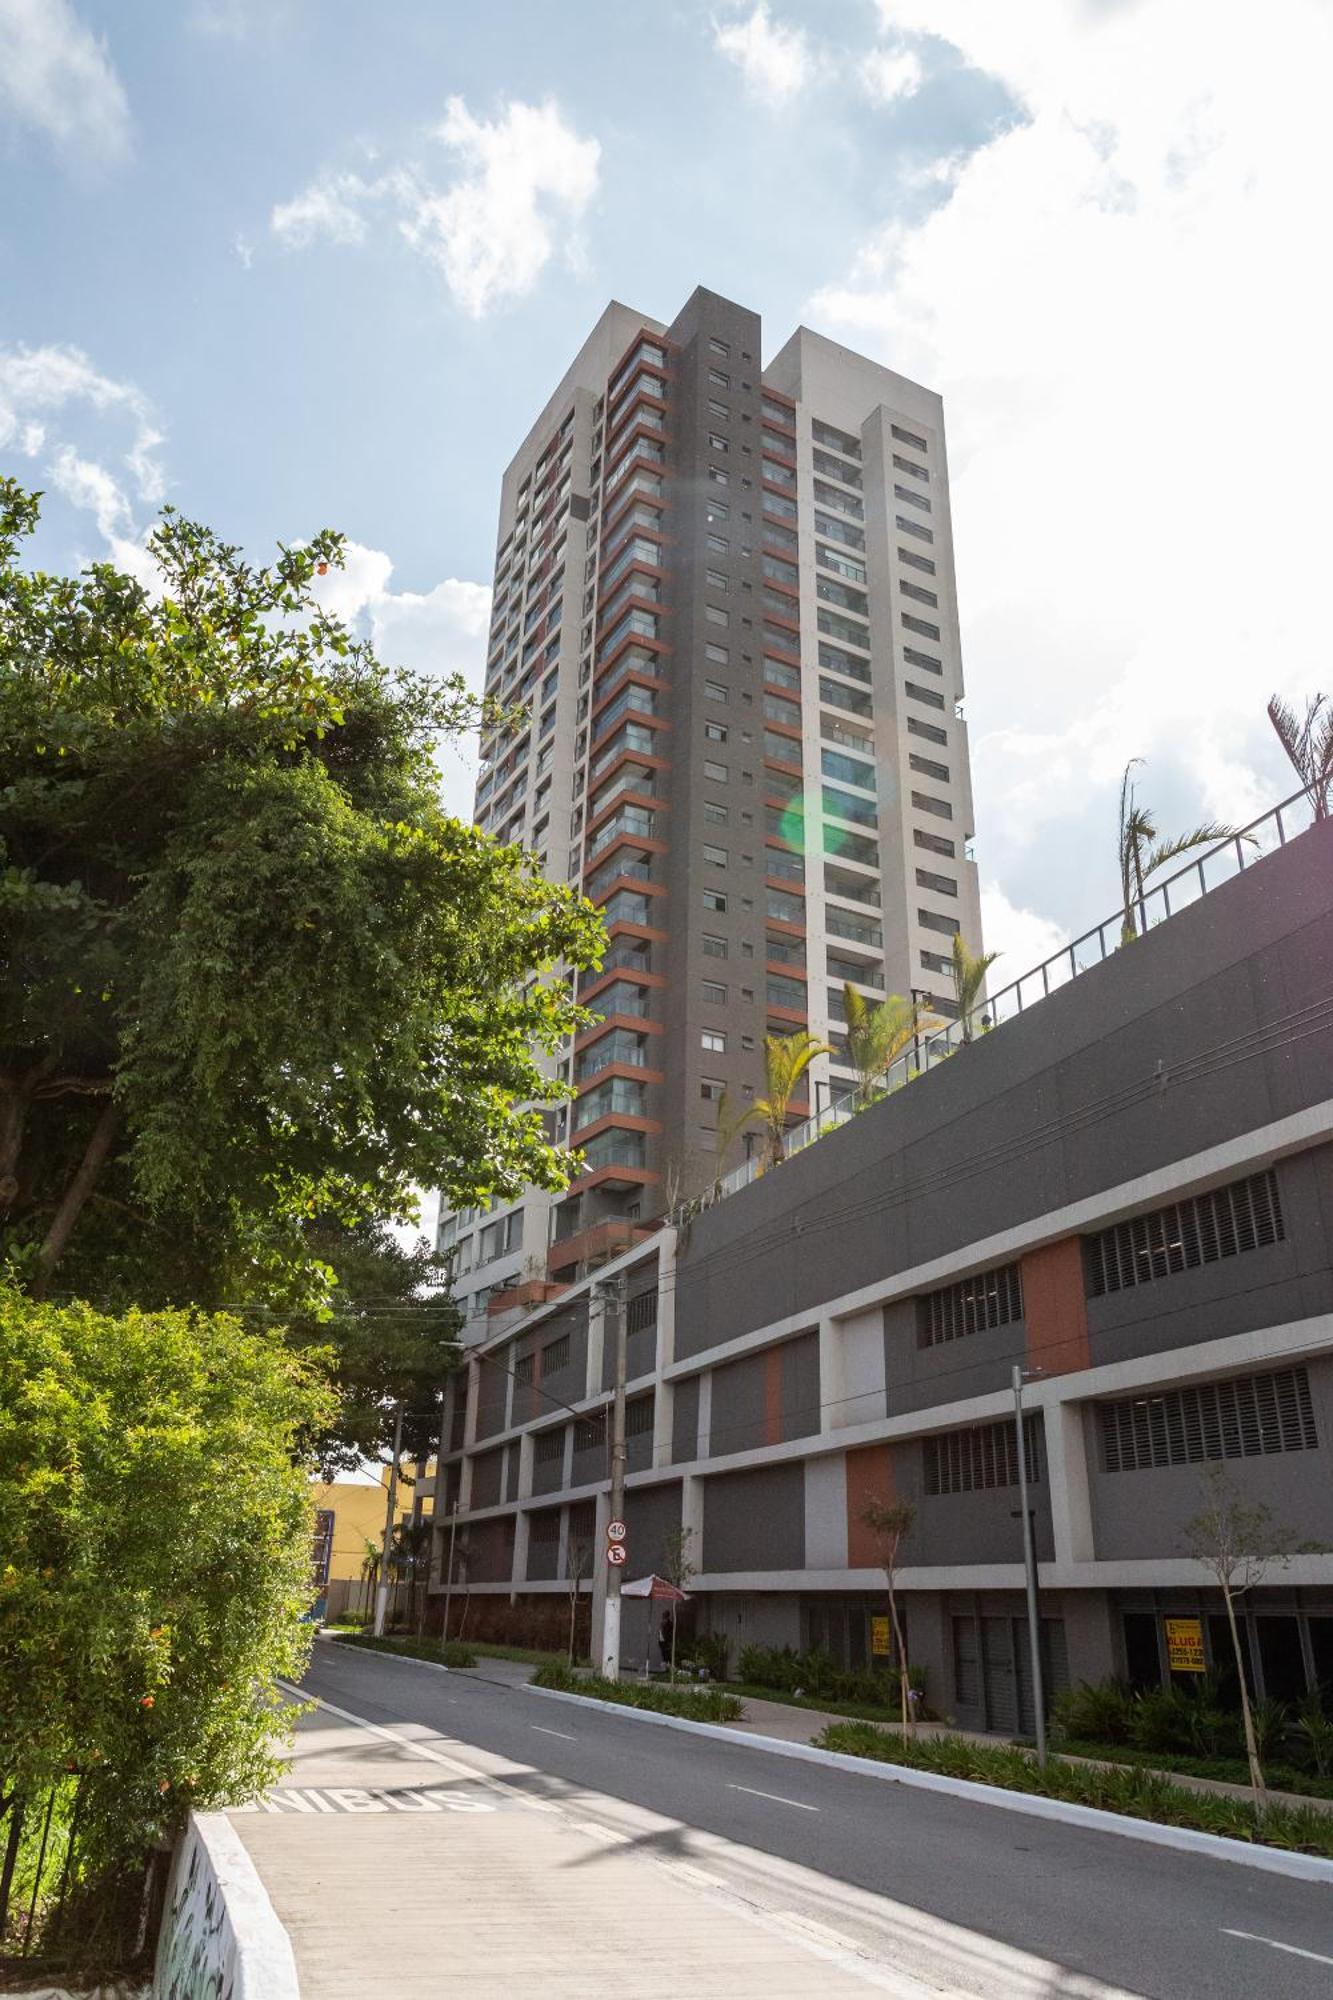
pixel 725 594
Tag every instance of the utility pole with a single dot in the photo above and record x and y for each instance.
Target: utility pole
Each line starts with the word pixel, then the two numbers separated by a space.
pixel 449 1579
pixel 1030 1567
pixel 613 1304
pixel 382 1589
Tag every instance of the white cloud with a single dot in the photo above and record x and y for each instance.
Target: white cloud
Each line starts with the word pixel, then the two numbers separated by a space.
pixel 1118 300
pixel 57 78
pixel 890 73
pixel 440 631
pixel 777 62
pixel 47 393
pixel 333 209
pixel 1021 937
pixel 523 184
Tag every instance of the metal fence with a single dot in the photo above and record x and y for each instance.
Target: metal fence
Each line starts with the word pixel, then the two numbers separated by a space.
pixel 1160 902
pixel 53 1915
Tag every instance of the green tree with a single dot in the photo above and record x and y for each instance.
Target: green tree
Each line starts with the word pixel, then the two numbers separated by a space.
pixel 254 976
pixel 1308 742
pixel 891 1522
pixel 155 1561
pixel 394 1337
pixel 1236 1540
pixel 678 1569
pixel 786 1060
pixel 878 1032
pixel 1142 854
pixel 968 969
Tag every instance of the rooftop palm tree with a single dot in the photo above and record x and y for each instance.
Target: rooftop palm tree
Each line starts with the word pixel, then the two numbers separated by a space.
pixel 1142 853
pixel 786 1060
pixel 878 1032
pixel 969 971
pixel 1309 745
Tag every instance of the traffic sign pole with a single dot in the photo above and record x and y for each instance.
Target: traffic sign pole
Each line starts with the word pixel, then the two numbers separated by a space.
pixel 613 1305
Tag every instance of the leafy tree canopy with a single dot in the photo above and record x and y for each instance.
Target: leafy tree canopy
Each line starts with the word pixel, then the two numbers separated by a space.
pixel 255 980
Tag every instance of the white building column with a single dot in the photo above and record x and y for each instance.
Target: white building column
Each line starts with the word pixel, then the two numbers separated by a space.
pixel 831 1388
pixel 525 1454
pixel 705 1414
pixel 1067 1472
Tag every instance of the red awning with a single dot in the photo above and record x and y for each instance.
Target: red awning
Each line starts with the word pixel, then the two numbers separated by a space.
pixel 655 1587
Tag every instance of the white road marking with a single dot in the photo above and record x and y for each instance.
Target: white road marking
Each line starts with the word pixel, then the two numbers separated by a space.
pixel 563 1734
pixel 776 1797
pixel 1276 1944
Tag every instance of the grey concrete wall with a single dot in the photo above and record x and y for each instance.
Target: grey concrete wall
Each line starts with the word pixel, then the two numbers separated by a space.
pixel 800 1387
pixel 493 1391
pixel 919 1377
pixel 976 1527
pixel 685 1420
pixel 1131 1066
pixel 487 1472
pixel 1145 1513
pixel 490 1546
pixel 755 1520
pixel 1263 1287
pixel 548 1476
pixel 543 1555
pixel 737 1414
pixel 651 1512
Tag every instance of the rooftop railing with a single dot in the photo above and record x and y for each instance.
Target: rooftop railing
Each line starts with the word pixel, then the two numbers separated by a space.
pixel 1158 903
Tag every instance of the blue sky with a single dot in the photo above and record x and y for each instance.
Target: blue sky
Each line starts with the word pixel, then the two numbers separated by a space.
pixel 290 266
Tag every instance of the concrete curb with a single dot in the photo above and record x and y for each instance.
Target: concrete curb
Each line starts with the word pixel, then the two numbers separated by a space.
pixel 237 1940
pixel 410 1660
pixel 1214 1846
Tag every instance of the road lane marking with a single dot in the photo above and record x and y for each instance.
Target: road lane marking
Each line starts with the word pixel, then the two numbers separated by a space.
pixel 1276 1944
pixel 776 1797
pixel 414 1749
pixel 563 1734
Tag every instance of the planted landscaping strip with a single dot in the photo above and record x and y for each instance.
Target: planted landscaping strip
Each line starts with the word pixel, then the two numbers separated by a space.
pixel 450 1655
pixel 707 1704
pixel 1135 1793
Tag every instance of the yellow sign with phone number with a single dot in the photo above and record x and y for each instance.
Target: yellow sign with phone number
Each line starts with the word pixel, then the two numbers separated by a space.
pixel 1184 1646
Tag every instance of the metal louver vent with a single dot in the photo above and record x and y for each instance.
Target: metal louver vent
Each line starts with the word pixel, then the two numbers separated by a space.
pixel 989 1298
pixel 1249 1416
pixel 986 1455
pixel 1225 1222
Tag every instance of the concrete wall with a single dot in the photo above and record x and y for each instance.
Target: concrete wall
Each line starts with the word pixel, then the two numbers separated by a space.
pixel 1136 1063
pixel 755 1520
pixel 1145 1513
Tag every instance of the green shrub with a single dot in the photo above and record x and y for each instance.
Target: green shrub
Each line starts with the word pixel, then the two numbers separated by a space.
pixel 155 1524
pixel 1095 1711
pixel 713 1651
pixel 1132 1790
pixel 816 1676
pixel 700 1704
pixel 1312 1734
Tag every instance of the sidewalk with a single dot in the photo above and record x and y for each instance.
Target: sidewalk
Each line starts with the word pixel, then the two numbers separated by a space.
pixel 396 1867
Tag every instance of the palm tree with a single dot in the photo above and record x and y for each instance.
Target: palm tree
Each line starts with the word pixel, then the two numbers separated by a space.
pixel 878 1032
pixel 1309 745
pixel 969 971
pixel 1142 853
pixel 786 1059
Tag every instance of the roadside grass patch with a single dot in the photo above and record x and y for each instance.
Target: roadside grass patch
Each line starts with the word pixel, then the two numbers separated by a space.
pixel 1127 1789
pixel 705 1704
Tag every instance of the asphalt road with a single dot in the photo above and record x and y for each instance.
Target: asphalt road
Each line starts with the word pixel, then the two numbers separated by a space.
pixel 965 1898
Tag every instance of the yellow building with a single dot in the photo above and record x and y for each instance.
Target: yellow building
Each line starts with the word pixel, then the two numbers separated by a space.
pixel 350 1525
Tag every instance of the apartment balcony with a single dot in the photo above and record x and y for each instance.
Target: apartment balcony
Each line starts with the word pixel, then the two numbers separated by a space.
pixel 855 930
pixel 585 1248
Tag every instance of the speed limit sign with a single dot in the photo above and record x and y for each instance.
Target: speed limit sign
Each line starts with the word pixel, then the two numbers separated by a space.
pixel 615 1555
pixel 615 1531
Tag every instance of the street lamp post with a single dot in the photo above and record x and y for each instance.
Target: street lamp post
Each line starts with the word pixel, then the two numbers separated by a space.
pixel 1030 1569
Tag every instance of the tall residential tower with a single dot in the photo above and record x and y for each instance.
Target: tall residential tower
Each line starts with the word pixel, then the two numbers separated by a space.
pixel 725 594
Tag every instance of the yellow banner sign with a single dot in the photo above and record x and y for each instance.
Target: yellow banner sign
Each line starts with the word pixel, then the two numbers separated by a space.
pixel 1184 1646
pixel 879 1636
